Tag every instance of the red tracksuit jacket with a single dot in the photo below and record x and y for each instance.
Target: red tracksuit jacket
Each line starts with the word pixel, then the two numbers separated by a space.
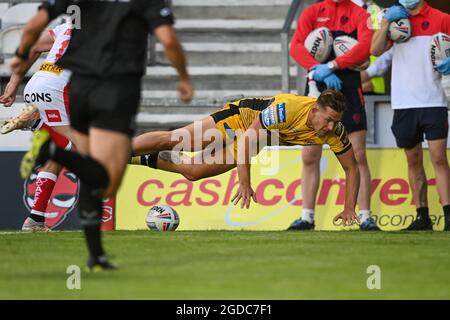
pixel 344 18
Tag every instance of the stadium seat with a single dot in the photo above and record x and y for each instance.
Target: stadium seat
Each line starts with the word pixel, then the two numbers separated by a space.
pixel 18 14
pixel 3 7
pixel 9 39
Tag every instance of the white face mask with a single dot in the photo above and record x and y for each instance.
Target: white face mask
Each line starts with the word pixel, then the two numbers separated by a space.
pixel 409 4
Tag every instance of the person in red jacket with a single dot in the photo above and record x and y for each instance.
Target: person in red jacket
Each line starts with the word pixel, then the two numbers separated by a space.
pixel 341 17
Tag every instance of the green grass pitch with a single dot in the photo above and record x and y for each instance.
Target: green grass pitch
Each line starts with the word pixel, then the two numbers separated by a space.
pixel 230 265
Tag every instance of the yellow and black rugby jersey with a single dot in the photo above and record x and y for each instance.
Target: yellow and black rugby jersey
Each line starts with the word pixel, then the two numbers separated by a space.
pixel 285 114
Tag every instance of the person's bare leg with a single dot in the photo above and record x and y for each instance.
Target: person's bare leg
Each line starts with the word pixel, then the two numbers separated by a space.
pixel 310 185
pixel 45 182
pixel 438 154
pixel 191 136
pixel 358 140
pixel 66 131
pixel 311 175
pixel 110 149
pixel 192 168
pixel 418 183
pixel 416 175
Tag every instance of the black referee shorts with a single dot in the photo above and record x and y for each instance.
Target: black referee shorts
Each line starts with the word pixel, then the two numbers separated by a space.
pixel 410 125
pixel 104 103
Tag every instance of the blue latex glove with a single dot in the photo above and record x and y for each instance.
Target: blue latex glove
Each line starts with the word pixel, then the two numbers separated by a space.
pixel 396 13
pixel 321 71
pixel 333 82
pixel 444 67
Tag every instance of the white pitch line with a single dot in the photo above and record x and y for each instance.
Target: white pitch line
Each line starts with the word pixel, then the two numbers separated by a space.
pixel 28 232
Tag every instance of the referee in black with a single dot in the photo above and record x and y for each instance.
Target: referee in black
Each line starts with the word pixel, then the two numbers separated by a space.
pixel 107 58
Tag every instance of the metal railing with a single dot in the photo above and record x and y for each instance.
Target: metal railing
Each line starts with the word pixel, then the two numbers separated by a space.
pixel 285 38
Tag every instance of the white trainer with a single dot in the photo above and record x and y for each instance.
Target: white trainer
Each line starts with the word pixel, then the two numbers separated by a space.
pixel 34 226
pixel 24 120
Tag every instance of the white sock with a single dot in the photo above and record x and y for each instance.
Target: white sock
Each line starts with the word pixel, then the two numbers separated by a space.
pixel 363 215
pixel 308 215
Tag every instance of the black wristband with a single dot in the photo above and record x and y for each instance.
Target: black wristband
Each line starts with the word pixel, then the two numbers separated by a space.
pixel 23 56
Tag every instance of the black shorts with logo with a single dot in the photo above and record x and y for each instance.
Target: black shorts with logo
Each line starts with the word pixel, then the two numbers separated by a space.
pixel 410 125
pixel 105 103
pixel 354 117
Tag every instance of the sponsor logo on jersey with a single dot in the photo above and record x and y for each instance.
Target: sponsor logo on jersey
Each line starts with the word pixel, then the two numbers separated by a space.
pixel 281 112
pixel 37 97
pixel 268 116
pixel 323 19
pixel 51 67
pixel 344 19
pixel 53 115
pixel 356 118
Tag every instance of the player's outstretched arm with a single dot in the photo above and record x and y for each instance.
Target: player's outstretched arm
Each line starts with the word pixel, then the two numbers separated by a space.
pixel 247 148
pixel 174 52
pixel 348 163
pixel 44 44
pixel 30 35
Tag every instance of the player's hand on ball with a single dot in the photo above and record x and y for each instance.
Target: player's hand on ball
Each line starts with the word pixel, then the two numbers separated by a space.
pixel 396 13
pixel 244 194
pixel 348 217
pixel 444 67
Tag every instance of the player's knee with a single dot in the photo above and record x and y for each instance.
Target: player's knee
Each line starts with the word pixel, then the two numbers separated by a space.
pixel 167 141
pixel 415 163
pixel 311 161
pixel 361 157
pixel 311 157
pixel 52 167
pixel 192 176
pixel 440 161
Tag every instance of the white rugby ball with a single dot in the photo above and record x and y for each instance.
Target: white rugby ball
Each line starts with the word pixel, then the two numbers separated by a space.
pixel 342 45
pixel 319 44
pixel 439 48
pixel 162 218
pixel 400 31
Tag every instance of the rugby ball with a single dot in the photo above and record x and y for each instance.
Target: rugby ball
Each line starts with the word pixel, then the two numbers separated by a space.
pixel 400 31
pixel 342 45
pixel 162 217
pixel 439 48
pixel 319 44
